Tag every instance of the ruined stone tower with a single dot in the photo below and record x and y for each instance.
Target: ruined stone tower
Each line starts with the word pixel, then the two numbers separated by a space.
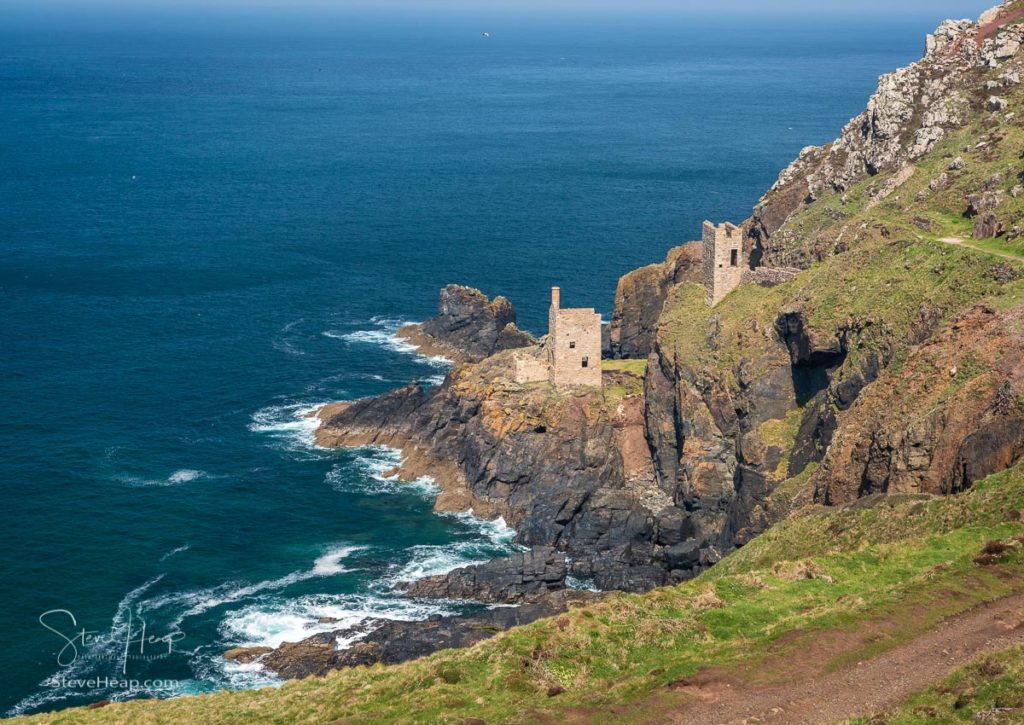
pixel 574 344
pixel 723 260
pixel 572 353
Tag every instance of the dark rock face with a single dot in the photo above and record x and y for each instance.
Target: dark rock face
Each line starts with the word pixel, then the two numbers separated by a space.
pixel 524 577
pixel 640 297
pixel 946 429
pixel 552 466
pixel 472 326
pixel 707 452
pixel 390 642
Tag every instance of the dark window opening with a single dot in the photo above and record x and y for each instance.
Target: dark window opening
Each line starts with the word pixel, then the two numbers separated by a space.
pixel 734 258
pixel 572 345
pixel 586 362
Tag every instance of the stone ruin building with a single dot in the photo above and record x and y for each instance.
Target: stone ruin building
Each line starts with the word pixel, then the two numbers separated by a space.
pixel 571 355
pixel 726 267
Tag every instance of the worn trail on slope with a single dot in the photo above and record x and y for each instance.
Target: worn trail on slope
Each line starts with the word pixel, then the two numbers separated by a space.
pixel 958 242
pixel 875 685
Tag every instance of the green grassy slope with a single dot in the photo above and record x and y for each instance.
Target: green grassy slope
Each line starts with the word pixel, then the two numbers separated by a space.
pixel 904 563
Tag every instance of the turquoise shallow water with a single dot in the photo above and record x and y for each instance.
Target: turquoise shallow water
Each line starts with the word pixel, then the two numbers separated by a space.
pixel 204 233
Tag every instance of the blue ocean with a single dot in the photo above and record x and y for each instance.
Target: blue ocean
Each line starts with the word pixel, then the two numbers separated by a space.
pixel 210 224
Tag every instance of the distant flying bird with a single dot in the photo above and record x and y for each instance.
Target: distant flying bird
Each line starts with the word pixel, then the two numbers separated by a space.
pixel 486 35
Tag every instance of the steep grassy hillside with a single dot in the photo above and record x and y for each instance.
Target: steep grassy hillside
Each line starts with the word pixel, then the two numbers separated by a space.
pixel 893 567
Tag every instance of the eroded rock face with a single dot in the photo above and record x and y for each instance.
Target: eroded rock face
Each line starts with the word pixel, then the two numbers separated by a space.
pixel 949 426
pixel 551 463
pixel 640 297
pixel 468 327
pixel 524 577
pixel 708 451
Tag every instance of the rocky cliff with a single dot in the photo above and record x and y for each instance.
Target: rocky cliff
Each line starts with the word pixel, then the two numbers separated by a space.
pixel 967 69
pixel 640 297
pixel 891 363
pixel 566 468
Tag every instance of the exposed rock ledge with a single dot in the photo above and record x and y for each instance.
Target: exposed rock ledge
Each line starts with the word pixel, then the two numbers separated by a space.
pixel 390 642
pixel 468 327
pixel 524 577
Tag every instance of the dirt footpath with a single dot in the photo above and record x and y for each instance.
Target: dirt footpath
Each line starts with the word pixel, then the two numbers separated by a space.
pixel 880 683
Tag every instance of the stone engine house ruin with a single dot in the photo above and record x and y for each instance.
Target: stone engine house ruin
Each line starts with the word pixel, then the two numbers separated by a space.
pixel 572 353
pixel 723 260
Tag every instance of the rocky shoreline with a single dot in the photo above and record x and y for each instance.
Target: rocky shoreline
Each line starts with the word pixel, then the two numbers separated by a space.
pixel 713 424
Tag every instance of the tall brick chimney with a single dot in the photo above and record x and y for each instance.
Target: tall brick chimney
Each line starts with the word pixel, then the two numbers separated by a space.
pixel 556 297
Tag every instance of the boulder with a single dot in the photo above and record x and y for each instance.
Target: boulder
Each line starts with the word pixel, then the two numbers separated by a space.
pixel 523 577
pixel 996 104
pixel 246 655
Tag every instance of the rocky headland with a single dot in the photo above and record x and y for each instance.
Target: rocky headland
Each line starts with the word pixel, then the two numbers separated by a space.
pixel 887 359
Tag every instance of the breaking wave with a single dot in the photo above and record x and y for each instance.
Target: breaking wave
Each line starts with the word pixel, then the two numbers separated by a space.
pixel 272 624
pixel 385 335
pixel 494 540
pixel 294 423
pixel 203 600
pixel 183 475
pixel 369 473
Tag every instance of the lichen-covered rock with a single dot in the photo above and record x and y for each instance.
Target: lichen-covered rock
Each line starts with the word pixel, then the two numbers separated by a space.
pixel 912 109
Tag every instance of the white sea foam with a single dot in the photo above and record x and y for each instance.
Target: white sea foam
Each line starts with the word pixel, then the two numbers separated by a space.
pixel 103 647
pixel 374 463
pixel 203 600
pixel 271 624
pixel 285 342
pixel 497 531
pixel 385 335
pixel 172 552
pixel 573 582
pixel 434 560
pixel 294 423
pixel 183 475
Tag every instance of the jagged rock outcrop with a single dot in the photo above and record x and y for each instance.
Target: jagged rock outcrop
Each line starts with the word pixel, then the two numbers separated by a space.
pixel 913 109
pixel 640 296
pixel 952 414
pixel 549 462
pixel 523 577
pixel 468 327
